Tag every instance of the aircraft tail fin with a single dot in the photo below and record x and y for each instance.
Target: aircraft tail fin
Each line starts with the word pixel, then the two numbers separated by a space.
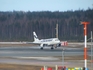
pixel 35 37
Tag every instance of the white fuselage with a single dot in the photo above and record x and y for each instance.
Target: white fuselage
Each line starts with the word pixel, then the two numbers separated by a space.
pixel 50 41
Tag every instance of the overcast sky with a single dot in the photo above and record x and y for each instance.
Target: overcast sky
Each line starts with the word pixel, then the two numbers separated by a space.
pixel 44 5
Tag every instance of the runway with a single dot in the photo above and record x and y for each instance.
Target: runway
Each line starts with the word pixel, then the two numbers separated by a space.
pixel 35 56
pixel 37 52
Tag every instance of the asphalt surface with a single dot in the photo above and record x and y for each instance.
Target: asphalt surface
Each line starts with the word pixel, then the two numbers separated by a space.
pixel 36 56
pixel 37 52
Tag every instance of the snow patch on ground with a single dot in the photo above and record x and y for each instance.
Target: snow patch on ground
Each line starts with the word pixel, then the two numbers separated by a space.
pixel 38 58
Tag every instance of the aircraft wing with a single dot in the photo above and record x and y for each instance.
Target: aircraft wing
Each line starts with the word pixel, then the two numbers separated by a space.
pixel 32 43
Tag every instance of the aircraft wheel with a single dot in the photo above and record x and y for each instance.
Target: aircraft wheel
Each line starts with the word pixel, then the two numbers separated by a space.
pixel 41 48
pixel 52 48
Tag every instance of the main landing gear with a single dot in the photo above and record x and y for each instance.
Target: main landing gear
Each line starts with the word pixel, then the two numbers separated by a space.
pixel 41 48
pixel 44 46
pixel 52 47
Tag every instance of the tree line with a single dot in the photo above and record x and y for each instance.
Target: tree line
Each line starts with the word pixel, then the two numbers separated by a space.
pixel 19 25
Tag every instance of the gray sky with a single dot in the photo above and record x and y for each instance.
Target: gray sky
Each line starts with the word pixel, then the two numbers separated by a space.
pixel 44 5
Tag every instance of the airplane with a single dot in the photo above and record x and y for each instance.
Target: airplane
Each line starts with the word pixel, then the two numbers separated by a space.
pixel 51 42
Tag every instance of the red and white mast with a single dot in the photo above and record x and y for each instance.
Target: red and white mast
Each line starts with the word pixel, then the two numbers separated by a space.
pixel 85 48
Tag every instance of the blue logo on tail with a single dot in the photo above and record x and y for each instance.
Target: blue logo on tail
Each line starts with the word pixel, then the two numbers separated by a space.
pixel 35 37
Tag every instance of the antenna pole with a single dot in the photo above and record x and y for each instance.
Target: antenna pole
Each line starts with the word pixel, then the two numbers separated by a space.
pixel 56 30
pixel 91 50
